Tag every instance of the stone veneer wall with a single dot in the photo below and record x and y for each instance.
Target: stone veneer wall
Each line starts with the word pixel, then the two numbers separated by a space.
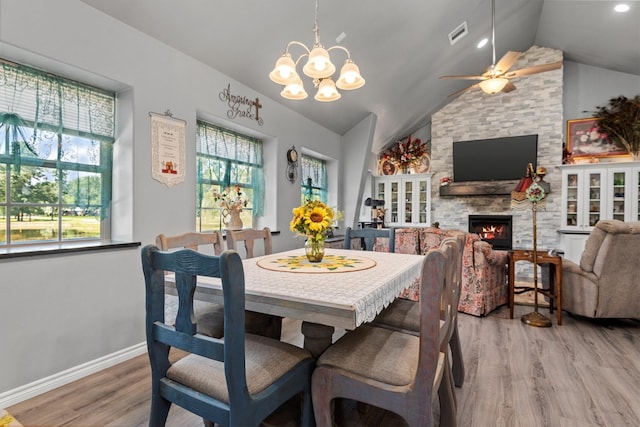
pixel 535 107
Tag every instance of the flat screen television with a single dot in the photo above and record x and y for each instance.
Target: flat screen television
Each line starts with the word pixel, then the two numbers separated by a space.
pixel 496 159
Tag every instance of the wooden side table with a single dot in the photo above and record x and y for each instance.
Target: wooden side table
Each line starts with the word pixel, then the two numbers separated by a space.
pixel 555 277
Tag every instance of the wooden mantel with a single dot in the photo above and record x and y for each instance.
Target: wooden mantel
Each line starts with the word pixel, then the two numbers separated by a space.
pixel 491 188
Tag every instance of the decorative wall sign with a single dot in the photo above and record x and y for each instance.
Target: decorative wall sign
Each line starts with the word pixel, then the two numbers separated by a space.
pixel 241 106
pixel 167 148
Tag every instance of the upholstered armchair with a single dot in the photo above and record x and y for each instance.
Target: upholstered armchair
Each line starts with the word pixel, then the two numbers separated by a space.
pixel 605 283
pixel 484 279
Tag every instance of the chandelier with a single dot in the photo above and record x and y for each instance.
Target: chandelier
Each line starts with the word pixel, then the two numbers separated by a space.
pixel 319 67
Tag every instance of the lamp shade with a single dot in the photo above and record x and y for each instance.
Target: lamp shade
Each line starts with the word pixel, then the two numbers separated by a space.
pixel 294 90
pixel 284 71
pixel 319 64
pixel 493 85
pixel 350 77
pixel 327 91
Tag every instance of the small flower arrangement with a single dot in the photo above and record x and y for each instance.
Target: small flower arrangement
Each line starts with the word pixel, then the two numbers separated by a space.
pixel 231 199
pixel 313 219
pixel 445 181
pixel 406 153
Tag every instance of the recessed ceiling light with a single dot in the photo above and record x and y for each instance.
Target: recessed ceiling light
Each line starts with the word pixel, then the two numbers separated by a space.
pixel 482 43
pixel 621 7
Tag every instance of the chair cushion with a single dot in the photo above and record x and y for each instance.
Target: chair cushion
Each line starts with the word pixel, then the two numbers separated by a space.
pixel 376 353
pixel 401 315
pixel 266 361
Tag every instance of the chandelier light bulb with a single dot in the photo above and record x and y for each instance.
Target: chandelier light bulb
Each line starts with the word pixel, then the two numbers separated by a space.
pixel 284 71
pixel 350 77
pixel 327 91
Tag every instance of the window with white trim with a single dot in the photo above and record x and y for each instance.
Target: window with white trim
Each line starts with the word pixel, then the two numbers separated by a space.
pixel 228 164
pixel 56 143
pixel 314 179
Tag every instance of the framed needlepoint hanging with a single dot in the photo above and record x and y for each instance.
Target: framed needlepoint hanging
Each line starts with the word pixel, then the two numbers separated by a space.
pixel 167 148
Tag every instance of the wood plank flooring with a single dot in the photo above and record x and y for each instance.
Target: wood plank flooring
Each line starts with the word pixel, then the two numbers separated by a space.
pixel 583 373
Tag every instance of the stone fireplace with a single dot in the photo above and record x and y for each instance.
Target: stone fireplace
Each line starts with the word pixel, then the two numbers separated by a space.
pixel 494 229
pixel 535 107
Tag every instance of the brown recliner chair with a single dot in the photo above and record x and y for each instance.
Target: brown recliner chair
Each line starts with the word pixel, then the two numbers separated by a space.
pixel 606 284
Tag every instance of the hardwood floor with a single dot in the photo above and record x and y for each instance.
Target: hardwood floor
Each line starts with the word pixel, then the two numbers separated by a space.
pixel 583 373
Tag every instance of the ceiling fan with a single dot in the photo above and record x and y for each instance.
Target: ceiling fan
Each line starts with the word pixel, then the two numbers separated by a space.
pixel 496 77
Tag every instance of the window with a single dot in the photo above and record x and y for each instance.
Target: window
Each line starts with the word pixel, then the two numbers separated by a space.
pixel 56 141
pixel 314 179
pixel 227 160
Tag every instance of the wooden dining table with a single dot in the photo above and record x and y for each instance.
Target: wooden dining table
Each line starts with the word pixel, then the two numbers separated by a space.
pixel 345 290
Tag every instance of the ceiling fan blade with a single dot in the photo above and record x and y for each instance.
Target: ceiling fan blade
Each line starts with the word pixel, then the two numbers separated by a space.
pixel 464 90
pixel 507 62
pixel 534 70
pixel 463 77
pixel 509 88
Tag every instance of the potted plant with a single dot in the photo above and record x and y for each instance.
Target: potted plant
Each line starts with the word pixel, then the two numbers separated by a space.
pixel 620 120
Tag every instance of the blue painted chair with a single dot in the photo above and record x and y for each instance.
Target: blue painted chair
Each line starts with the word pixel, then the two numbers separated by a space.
pixel 234 381
pixel 368 237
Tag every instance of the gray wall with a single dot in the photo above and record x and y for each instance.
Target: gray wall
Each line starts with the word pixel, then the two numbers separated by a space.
pixel 62 311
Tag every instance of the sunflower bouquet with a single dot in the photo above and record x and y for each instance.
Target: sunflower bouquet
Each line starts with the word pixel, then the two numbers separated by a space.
pixel 313 219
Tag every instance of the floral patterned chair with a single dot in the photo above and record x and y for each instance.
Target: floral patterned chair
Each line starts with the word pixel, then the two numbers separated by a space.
pixel 484 279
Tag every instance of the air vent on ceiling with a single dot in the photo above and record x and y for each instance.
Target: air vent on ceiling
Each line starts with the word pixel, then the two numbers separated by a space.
pixel 459 32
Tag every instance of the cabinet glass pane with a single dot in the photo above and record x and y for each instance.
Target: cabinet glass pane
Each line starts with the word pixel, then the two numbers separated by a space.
pixel 422 208
pixel 594 198
pixel 572 200
pixel 394 202
pixel 381 191
pixel 618 195
pixel 408 197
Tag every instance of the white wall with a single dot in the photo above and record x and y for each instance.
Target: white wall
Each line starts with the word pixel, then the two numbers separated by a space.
pixel 65 310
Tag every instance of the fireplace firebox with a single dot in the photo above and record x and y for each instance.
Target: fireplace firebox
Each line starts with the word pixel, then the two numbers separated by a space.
pixel 494 229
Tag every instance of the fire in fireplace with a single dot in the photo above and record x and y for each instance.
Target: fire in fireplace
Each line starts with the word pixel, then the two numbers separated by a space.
pixel 495 229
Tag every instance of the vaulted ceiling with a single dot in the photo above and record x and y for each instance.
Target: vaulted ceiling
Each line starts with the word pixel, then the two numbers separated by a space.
pixel 401 46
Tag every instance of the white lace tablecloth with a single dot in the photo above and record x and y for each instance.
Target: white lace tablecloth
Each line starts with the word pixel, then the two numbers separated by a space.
pixel 345 300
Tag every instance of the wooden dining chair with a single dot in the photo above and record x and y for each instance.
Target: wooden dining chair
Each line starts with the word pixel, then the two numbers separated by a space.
pixel 368 237
pixel 404 315
pixel 235 381
pixel 209 316
pixel 256 323
pixel 389 369
pixel 249 237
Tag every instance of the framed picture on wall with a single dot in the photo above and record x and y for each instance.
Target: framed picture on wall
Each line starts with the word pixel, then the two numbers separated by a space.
pixel 584 140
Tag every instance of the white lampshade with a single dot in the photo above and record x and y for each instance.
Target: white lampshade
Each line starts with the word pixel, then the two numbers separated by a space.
pixel 319 64
pixel 350 77
pixel 295 90
pixel 493 85
pixel 327 91
pixel 284 71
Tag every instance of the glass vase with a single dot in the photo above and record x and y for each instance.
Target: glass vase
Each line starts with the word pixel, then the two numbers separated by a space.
pixel 314 249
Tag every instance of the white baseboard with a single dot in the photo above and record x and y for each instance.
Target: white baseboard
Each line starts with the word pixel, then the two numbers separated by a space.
pixel 43 385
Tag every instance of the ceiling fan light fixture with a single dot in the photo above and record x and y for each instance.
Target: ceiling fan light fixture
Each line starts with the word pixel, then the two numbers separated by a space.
pixel 493 85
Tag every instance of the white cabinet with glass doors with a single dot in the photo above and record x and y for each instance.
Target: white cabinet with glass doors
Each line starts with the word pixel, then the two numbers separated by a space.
pixel 592 192
pixel 407 199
